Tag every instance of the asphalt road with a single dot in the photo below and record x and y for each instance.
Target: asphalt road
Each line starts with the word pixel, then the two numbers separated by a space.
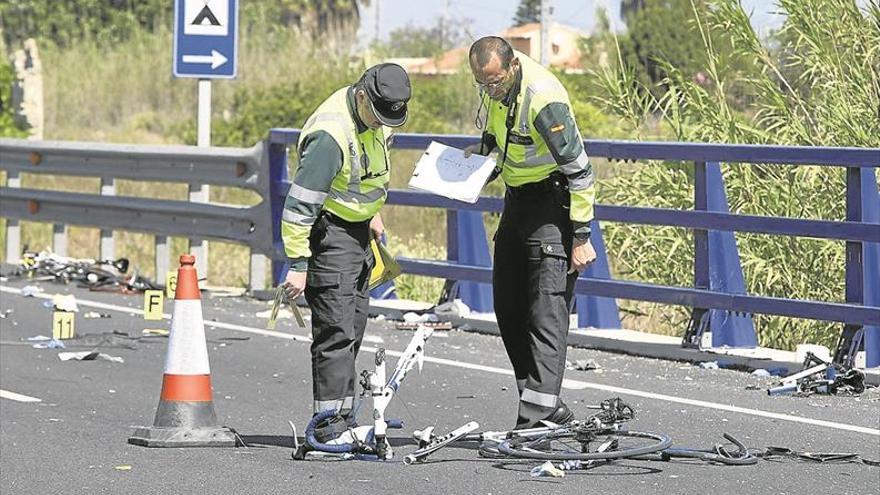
pixel 74 439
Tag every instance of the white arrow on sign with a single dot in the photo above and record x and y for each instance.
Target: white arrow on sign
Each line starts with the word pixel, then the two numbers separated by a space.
pixel 216 59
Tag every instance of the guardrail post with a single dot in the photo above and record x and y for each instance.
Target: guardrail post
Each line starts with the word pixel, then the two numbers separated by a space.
pixel 278 186
pixel 466 244
pixel 163 251
pixel 593 311
pixel 871 214
pixel 59 239
pixel 13 225
pixel 108 247
pixel 853 340
pixel 716 267
pixel 199 247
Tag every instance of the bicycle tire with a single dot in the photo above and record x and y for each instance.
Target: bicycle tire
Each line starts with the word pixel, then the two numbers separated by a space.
pixel 702 455
pixel 522 448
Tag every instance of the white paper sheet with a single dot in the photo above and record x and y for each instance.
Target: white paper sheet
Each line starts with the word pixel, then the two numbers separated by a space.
pixel 445 171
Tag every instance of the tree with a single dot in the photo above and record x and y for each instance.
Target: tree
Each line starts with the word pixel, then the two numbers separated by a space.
pixel 8 125
pixel 661 30
pixel 416 41
pixel 528 11
pixel 66 21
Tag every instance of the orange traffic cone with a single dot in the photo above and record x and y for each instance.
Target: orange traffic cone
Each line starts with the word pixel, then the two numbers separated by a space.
pixel 185 416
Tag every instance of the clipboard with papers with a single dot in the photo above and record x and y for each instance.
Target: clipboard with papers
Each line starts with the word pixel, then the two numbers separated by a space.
pixel 444 170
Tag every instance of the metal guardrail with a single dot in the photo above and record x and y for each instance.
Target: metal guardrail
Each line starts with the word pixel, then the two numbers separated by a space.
pixel 263 169
pixel 245 168
pixel 855 230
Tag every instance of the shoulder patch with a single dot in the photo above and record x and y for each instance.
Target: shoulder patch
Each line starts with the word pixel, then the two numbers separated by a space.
pixel 557 128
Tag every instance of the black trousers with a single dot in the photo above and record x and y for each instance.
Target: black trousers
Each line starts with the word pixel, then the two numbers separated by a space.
pixel 533 291
pixel 337 290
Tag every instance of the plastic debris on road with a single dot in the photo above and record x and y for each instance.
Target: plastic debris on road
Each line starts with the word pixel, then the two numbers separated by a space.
pixel 65 302
pixel 49 344
pixel 709 365
pixel 547 470
pixel 411 317
pixel 93 315
pixel 30 290
pixel 452 309
pixel 761 372
pixel 582 365
pixel 88 356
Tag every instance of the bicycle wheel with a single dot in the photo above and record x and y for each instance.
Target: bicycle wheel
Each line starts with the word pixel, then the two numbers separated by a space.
pixel 565 444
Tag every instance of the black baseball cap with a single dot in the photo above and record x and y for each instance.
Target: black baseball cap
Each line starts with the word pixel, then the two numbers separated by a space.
pixel 388 88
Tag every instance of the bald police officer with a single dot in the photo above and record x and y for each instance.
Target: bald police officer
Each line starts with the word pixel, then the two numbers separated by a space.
pixel 544 236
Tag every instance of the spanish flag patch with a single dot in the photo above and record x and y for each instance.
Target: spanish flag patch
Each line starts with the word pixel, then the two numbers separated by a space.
pixel 557 128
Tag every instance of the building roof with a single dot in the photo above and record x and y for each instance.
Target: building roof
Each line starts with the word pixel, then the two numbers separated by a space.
pixel 450 61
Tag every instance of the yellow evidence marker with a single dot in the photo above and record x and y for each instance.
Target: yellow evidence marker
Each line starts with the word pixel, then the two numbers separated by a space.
pixel 170 284
pixel 153 303
pixel 62 325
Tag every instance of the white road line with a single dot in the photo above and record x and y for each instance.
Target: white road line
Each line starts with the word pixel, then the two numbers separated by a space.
pixel 567 383
pixel 6 394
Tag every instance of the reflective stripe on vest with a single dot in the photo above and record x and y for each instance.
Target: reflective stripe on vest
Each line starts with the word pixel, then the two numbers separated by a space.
pixel 346 198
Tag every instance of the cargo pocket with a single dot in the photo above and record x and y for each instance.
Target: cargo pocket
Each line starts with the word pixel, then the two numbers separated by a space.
pixel 321 279
pixel 325 298
pixel 551 263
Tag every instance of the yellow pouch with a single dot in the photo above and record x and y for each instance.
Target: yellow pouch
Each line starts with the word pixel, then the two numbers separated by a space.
pixel 386 267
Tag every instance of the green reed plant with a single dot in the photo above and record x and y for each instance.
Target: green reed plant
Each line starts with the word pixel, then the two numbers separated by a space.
pixel 815 82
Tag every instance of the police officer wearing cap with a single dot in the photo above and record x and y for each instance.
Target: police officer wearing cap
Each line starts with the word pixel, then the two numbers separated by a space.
pixel 330 215
pixel 543 239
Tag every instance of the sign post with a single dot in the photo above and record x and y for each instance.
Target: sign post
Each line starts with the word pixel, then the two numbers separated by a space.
pixel 205 47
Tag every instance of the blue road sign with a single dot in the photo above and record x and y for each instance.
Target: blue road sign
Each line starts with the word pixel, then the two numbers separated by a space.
pixel 205 38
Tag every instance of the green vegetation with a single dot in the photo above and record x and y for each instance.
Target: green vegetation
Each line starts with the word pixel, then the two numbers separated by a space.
pixel 527 12
pixel 8 126
pixel 685 70
pixel 819 85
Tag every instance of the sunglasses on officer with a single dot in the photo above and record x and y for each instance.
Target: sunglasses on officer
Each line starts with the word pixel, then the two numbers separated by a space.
pixel 497 79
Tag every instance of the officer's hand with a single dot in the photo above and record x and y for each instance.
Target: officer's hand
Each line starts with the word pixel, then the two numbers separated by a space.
pixel 294 284
pixel 377 227
pixel 471 149
pixel 582 254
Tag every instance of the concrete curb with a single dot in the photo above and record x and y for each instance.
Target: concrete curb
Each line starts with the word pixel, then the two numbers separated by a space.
pixel 625 342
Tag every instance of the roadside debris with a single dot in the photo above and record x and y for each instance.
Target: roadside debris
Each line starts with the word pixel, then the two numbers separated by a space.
pixel 43 342
pixel 65 302
pixel 88 356
pixel 30 290
pixel 412 317
pixel 105 275
pixel 582 365
pixel 761 372
pixel 819 376
pixel 436 325
pixel 452 309
pixel 709 365
pixel 547 470
pixel 781 453
pixel 93 315
pixel 155 332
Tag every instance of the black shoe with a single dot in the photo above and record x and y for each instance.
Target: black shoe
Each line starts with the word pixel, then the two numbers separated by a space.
pixel 330 428
pixel 561 415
